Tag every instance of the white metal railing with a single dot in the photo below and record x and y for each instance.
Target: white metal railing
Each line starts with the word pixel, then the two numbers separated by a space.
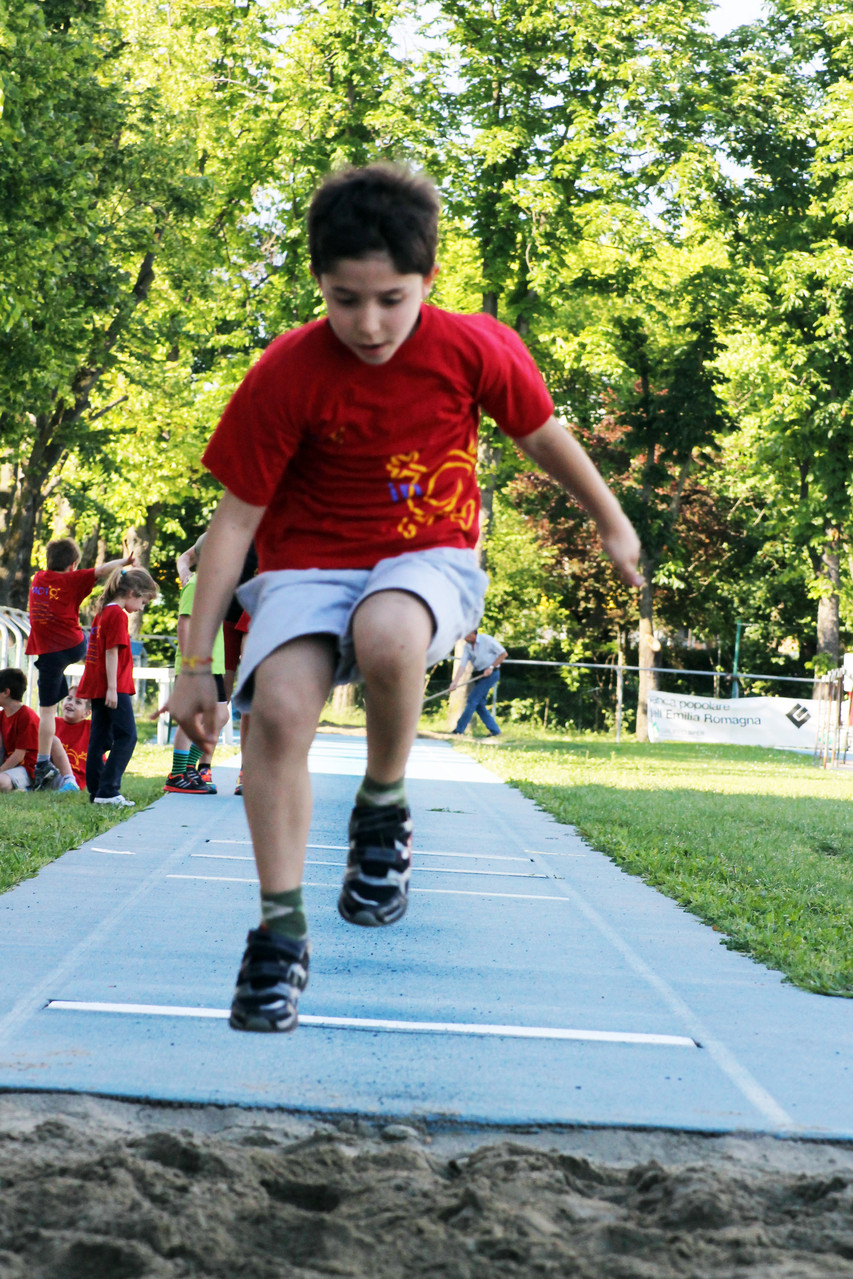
pixel 835 717
pixel 14 631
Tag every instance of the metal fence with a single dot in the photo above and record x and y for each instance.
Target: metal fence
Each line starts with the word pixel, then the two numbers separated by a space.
pixel 605 694
pixel 14 632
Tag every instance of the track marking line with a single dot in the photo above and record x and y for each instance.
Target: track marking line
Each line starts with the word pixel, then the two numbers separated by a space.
pixel 400 1027
pixel 119 852
pixel 452 892
pixel 418 852
pixel 427 870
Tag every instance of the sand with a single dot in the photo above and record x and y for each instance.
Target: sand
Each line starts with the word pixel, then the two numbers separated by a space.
pixel 99 1189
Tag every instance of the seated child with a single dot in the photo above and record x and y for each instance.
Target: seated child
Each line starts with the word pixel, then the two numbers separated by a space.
pixel 72 733
pixel 19 732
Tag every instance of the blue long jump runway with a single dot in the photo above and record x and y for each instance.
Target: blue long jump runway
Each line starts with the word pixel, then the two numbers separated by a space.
pixel 531 981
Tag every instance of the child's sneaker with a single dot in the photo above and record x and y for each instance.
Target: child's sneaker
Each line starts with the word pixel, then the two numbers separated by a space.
pixel 273 972
pixel 116 801
pixel 376 880
pixel 188 783
pixel 69 784
pixel 45 776
pixel 206 776
pixel 238 789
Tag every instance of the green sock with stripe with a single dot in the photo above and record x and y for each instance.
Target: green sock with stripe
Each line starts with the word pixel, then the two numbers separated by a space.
pixel 179 762
pixel 195 756
pixel 284 914
pixel 381 794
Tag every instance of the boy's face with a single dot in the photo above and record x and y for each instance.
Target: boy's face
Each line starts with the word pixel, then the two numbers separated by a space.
pixel 74 709
pixel 372 308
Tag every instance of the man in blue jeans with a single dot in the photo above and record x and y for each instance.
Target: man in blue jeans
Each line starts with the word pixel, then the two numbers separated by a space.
pixel 485 654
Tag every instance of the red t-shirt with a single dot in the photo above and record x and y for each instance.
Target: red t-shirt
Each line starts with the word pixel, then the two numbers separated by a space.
pixel 55 600
pixel 21 732
pixel 357 462
pixel 109 630
pixel 75 739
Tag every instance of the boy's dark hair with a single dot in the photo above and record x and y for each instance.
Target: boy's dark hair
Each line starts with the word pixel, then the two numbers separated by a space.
pixel 375 209
pixel 62 554
pixel 13 681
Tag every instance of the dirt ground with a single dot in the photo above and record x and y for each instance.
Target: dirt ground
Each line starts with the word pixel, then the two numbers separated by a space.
pixel 95 1189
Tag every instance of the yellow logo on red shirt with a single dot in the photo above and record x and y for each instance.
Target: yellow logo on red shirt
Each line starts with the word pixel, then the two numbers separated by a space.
pixel 411 483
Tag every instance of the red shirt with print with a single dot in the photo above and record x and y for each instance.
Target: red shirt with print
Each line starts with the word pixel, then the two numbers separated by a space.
pixel 21 732
pixel 109 630
pixel 75 739
pixel 55 600
pixel 357 462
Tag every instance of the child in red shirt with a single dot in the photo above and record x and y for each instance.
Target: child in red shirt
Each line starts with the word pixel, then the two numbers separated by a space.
pixel 108 684
pixel 349 454
pixel 56 594
pixel 19 731
pixel 73 727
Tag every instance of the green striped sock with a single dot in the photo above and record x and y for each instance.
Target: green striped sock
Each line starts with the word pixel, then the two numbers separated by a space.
pixel 195 756
pixel 381 794
pixel 179 762
pixel 283 913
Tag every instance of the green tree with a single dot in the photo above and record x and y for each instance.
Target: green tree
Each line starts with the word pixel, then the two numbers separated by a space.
pixel 789 349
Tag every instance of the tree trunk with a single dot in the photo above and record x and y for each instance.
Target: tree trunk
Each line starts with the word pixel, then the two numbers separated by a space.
pixel 648 652
pixel 828 654
pixel 139 541
pixel 343 699
pixel 50 442
pixel 460 696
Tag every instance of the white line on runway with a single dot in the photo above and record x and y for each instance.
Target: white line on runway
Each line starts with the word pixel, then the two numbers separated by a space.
pixel 427 870
pixel 404 1027
pixel 555 852
pixel 344 848
pixel 453 892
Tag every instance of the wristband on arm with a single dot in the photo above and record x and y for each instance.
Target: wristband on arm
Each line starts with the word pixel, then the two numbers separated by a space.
pixel 190 665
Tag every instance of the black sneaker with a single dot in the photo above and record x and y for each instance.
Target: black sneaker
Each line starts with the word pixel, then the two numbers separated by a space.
pixel 273 972
pixel 46 776
pixel 188 783
pixel 376 880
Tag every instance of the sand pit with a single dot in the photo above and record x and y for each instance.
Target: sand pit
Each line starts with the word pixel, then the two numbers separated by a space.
pixel 95 1189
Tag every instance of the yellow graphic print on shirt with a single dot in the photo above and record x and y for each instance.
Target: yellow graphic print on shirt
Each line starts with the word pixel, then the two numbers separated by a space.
pixel 430 497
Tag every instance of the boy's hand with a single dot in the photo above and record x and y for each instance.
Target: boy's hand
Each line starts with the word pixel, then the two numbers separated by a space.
pixel 193 704
pixel 623 547
pixel 111 698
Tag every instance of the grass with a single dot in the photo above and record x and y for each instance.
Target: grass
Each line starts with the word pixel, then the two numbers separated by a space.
pixel 37 827
pixel 757 843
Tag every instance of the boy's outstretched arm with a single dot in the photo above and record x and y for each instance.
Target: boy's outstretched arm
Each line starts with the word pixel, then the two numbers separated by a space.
pixel 125 561
pixel 556 450
pixel 193 701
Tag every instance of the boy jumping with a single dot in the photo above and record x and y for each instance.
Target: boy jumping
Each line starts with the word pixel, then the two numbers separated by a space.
pixel 348 453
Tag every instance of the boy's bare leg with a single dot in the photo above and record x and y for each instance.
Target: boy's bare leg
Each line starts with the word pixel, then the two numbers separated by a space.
pixel 47 728
pixel 392 631
pixel 291 687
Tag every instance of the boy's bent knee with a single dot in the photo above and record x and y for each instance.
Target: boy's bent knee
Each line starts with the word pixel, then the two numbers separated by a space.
pixel 391 628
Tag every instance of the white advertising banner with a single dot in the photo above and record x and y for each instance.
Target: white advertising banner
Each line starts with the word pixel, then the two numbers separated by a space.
pixel 786 723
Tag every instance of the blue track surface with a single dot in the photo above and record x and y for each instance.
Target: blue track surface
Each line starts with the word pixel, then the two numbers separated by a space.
pixel 531 982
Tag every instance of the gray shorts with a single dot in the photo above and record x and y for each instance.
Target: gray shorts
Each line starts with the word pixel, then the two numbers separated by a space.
pixel 290 603
pixel 19 777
